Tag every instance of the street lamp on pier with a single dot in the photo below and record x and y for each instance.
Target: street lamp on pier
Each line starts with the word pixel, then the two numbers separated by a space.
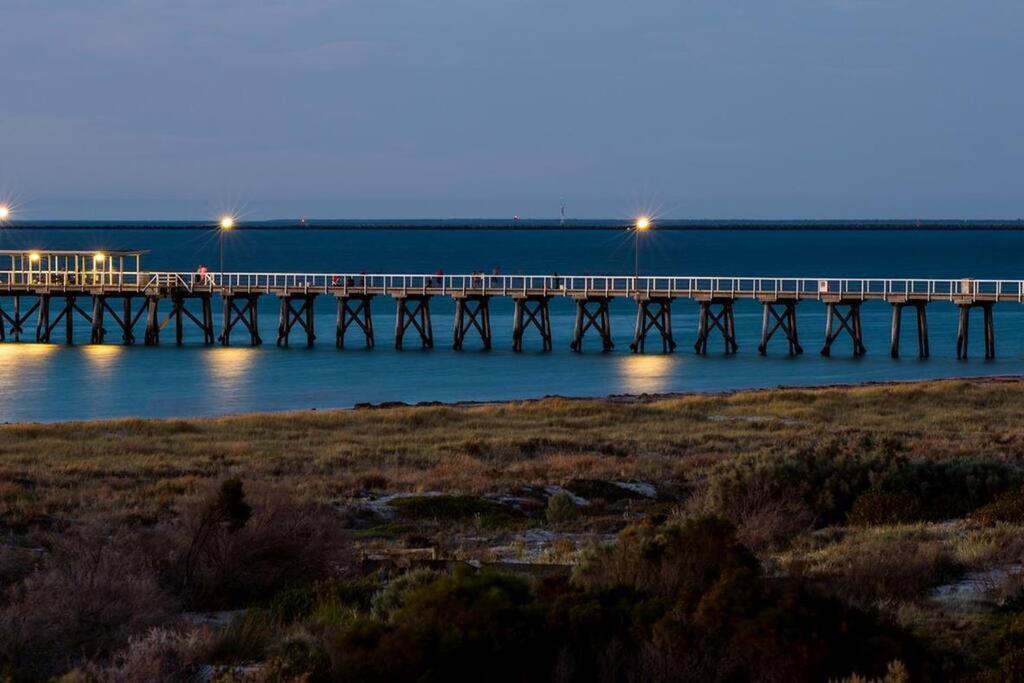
pixel 642 224
pixel 226 223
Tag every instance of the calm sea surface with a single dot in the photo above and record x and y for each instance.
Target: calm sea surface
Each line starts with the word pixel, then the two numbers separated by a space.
pixel 56 382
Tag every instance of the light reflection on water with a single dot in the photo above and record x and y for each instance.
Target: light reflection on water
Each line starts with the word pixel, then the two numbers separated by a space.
pixel 646 373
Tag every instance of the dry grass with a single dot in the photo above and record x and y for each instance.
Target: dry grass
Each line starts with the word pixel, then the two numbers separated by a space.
pixel 140 468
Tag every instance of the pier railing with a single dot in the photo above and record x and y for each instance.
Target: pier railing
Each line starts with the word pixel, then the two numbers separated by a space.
pixel 737 287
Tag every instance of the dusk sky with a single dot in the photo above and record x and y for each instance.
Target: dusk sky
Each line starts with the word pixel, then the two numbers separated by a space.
pixel 469 108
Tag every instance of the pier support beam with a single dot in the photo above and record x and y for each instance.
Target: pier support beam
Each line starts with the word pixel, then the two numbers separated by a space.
pixel 848 322
pixel 963 329
pixel 785 322
pixel 179 313
pixel 654 313
pixel 241 309
pixel 922 327
pixel 472 312
pixel 531 311
pixel 125 320
pixel 413 310
pixel 709 320
pixel 354 309
pixel 592 313
pixel 296 309
pixel 45 326
pixel 16 319
pixel 152 308
pixel 98 331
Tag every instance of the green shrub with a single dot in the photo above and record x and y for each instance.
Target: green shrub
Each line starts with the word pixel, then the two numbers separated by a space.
pixel 561 508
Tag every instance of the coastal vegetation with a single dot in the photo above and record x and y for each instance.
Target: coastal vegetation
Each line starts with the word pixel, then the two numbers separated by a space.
pixel 847 533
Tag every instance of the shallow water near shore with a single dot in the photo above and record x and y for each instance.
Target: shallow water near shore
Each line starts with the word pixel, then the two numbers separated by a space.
pixel 57 382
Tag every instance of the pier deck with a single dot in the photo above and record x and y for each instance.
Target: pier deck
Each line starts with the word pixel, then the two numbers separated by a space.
pixel 62 282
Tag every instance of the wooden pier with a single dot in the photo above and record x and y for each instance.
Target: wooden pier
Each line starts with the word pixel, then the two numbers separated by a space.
pixel 53 291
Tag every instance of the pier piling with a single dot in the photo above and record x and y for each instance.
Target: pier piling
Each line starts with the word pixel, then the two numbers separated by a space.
pixel 472 311
pixel 296 309
pixel 660 319
pixel 354 309
pixel 592 312
pixel 246 314
pixel 848 322
pixel 922 327
pixel 772 321
pixel 413 310
pixel 963 329
pixel 180 313
pixel 709 320
pixel 531 311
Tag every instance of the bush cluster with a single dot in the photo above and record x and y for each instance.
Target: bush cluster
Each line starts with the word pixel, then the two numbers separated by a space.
pixel 99 585
pixel 835 484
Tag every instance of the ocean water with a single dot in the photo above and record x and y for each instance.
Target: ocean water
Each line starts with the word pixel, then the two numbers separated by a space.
pixel 58 382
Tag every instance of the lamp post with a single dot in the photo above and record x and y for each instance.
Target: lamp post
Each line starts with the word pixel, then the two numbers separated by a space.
pixel 226 223
pixel 643 223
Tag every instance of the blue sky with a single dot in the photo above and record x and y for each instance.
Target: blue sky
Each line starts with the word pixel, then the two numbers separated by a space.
pixel 489 108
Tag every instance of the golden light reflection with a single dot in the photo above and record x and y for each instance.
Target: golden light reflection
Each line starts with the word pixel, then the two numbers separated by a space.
pixel 229 364
pixel 102 357
pixel 34 257
pixel 643 373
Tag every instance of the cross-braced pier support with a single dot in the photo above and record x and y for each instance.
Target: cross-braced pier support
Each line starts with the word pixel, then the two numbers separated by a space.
pixel 16 318
pixel 653 314
pixel 784 322
pixel 964 327
pixel 241 309
pixel 531 311
pixel 413 310
pixel 180 313
pixel 125 320
pixel 296 309
pixel 922 327
pixel 848 322
pixel 472 312
pixel 722 320
pixel 45 326
pixel 592 313
pixel 354 309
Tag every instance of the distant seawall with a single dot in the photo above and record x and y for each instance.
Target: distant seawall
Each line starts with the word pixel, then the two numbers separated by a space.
pixel 547 225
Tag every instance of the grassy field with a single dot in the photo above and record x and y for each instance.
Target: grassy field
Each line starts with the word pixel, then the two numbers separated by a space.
pixel 873 530
pixel 50 473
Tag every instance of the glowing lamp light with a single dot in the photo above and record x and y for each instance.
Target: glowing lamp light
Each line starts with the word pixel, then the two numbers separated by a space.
pixel 5 212
pixel 643 223
pixel 227 222
pixel 100 257
pixel 33 257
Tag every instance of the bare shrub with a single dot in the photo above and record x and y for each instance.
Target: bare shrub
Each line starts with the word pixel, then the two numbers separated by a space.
pixel 158 655
pixel 885 564
pixel 764 518
pixel 94 591
pixel 230 550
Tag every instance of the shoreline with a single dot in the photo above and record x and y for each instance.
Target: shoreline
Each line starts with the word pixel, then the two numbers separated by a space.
pixel 609 399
